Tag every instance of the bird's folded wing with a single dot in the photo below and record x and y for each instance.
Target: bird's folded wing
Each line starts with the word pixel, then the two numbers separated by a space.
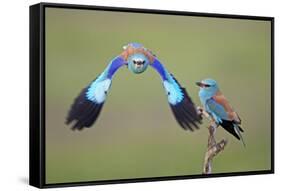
pixel 232 115
pixel 87 106
pixel 181 104
pixel 221 116
pixel 217 110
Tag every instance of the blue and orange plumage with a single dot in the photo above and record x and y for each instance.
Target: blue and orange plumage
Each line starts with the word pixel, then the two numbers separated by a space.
pixel 87 106
pixel 218 107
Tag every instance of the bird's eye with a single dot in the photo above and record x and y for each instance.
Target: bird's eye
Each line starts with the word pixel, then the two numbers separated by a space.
pixel 207 85
pixel 143 61
pixel 134 62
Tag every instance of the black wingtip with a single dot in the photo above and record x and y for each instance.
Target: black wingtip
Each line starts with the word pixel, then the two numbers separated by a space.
pixel 186 114
pixel 185 111
pixel 83 112
pixel 229 127
pixel 181 119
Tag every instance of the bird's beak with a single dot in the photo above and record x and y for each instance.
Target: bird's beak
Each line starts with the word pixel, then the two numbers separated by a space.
pixel 200 84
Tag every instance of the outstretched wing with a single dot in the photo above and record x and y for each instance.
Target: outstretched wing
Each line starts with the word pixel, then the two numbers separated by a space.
pixel 87 106
pixel 181 104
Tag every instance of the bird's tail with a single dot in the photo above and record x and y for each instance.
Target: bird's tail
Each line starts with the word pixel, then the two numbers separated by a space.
pixel 238 131
pixel 233 128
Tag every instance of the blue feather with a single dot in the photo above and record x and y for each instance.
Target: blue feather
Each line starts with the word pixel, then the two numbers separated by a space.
pixel 181 104
pixel 217 110
pixel 98 89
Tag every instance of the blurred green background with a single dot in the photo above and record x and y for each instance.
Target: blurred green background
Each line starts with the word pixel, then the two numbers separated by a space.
pixel 136 134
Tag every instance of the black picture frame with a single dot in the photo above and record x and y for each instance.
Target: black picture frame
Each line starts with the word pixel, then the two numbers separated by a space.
pixel 37 93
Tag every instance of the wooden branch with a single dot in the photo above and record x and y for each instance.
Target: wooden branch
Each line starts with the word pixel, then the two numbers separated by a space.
pixel 213 148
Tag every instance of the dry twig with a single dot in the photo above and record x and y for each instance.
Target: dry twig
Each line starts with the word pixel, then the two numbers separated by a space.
pixel 213 147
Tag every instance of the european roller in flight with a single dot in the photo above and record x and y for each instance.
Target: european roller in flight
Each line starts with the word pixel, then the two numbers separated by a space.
pixel 218 107
pixel 88 105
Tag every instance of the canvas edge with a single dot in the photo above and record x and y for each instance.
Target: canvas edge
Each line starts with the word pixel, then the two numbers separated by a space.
pixel 34 137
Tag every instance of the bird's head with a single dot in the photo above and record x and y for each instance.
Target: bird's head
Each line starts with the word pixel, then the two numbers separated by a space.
pixel 138 63
pixel 208 85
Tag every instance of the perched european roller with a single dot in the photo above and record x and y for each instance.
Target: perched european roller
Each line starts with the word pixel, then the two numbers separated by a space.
pixel 218 107
pixel 87 106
